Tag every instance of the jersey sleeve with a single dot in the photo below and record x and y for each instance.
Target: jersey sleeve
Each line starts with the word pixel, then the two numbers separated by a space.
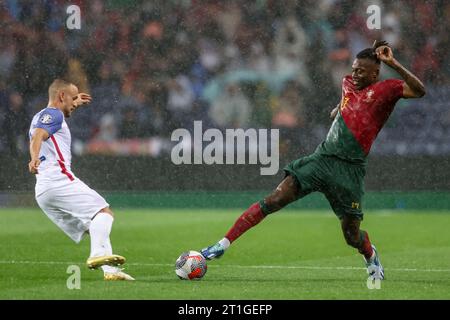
pixel 50 120
pixel 393 89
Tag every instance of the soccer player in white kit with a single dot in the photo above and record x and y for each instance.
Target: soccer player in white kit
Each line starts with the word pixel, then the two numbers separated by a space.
pixel 66 200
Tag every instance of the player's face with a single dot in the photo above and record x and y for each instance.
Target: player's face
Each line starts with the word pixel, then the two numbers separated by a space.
pixel 364 73
pixel 70 94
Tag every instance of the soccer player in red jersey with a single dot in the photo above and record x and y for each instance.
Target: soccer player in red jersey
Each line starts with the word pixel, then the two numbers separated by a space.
pixel 338 166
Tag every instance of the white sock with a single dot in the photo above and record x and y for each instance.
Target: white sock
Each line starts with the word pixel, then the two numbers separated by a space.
pixel 225 243
pixel 99 231
pixel 109 269
pixel 372 258
pixel 108 246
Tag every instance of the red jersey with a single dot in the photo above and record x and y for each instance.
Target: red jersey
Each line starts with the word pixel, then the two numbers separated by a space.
pixel 361 116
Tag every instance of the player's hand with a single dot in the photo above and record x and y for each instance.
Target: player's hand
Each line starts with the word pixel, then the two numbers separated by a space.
pixel 334 112
pixel 82 99
pixel 385 54
pixel 33 166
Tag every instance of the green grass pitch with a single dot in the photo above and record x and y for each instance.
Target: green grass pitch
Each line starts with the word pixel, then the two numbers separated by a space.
pixel 291 255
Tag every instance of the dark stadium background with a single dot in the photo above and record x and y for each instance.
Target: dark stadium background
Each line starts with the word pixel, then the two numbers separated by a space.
pixel 154 66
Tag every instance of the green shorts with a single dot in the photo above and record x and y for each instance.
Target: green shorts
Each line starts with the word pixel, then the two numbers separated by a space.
pixel 341 182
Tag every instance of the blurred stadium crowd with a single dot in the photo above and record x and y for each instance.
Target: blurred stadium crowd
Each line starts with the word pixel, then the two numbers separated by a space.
pixel 154 66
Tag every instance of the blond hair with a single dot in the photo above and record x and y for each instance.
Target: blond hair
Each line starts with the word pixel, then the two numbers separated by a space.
pixel 56 86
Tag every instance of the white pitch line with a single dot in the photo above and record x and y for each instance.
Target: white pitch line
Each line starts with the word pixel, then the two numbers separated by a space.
pixel 231 266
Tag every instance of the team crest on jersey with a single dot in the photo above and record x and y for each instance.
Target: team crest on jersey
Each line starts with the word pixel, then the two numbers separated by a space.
pixel 46 119
pixel 369 95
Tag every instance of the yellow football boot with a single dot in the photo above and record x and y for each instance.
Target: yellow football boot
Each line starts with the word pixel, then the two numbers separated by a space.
pixel 117 276
pixel 112 260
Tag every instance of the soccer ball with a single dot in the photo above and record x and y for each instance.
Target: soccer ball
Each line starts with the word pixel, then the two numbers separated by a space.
pixel 190 265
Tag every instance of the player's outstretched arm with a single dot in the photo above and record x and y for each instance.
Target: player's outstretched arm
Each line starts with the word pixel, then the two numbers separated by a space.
pixel 413 87
pixel 35 146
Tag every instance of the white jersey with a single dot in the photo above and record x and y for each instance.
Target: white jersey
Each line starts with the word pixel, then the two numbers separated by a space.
pixel 55 153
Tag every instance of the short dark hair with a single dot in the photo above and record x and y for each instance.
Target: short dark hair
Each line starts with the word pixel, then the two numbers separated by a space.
pixel 369 53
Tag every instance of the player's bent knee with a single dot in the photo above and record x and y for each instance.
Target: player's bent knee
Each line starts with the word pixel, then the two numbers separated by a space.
pixel 273 204
pixel 285 193
pixel 352 239
pixel 353 243
pixel 351 231
pixel 107 210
